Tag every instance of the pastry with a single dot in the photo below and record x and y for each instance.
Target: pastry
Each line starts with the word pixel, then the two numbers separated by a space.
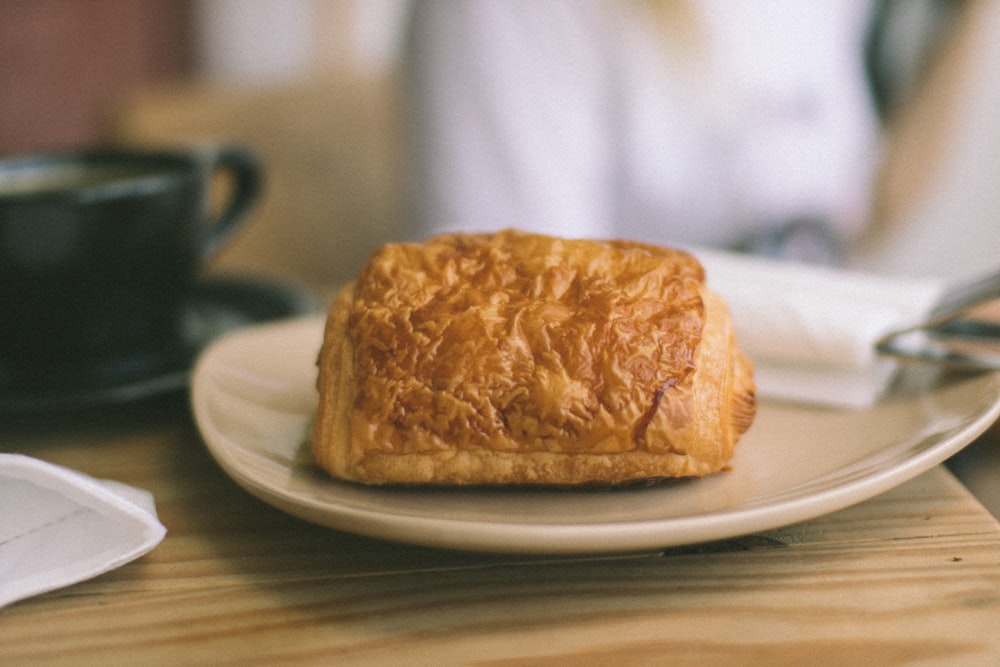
pixel 516 358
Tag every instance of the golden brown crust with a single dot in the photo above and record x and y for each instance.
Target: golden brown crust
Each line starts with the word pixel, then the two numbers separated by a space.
pixel 521 358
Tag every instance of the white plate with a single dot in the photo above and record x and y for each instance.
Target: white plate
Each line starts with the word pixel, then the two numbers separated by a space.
pixel 253 397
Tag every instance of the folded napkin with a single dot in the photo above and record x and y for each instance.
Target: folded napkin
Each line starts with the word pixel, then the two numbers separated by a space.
pixel 59 527
pixel 811 330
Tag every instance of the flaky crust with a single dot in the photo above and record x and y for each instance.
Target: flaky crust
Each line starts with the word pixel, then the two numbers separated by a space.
pixel 518 358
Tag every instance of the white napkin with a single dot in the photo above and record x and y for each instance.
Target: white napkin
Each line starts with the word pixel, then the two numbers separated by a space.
pixel 59 527
pixel 811 330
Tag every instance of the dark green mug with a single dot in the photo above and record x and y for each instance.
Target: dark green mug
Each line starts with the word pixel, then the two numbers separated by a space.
pixel 99 249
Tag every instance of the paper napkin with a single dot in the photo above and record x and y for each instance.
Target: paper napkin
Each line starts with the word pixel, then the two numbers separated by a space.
pixel 811 330
pixel 59 527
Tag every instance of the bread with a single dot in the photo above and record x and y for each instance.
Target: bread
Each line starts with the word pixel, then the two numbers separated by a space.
pixel 515 358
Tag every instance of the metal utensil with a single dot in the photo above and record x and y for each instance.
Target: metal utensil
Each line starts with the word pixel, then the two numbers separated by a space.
pixel 963 329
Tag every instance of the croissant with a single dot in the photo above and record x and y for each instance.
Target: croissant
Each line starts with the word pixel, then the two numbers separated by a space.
pixel 516 358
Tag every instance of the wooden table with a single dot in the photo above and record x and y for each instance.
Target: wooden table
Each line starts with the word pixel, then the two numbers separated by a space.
pixel 910 577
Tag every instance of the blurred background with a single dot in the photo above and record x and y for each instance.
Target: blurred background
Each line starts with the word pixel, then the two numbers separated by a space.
pixel 307 83
pixel 312 85
pixel 68 66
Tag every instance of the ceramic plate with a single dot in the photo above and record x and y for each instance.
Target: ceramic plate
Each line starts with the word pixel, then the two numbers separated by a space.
pixel 253 398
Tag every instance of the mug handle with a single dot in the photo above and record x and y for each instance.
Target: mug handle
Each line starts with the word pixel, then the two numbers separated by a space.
pixel 247 175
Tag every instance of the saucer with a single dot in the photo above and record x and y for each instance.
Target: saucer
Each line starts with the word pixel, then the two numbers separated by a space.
pixel 217 306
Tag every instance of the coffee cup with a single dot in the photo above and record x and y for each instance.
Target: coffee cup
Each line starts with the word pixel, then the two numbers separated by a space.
pixel 100 249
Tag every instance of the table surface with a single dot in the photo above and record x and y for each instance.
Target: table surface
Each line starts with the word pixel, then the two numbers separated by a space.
pixel 910 577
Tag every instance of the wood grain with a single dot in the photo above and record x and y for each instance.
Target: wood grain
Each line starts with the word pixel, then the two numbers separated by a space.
pixel 911 577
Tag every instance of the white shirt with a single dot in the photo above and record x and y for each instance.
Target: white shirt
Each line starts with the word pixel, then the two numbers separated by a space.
pixel 572 117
